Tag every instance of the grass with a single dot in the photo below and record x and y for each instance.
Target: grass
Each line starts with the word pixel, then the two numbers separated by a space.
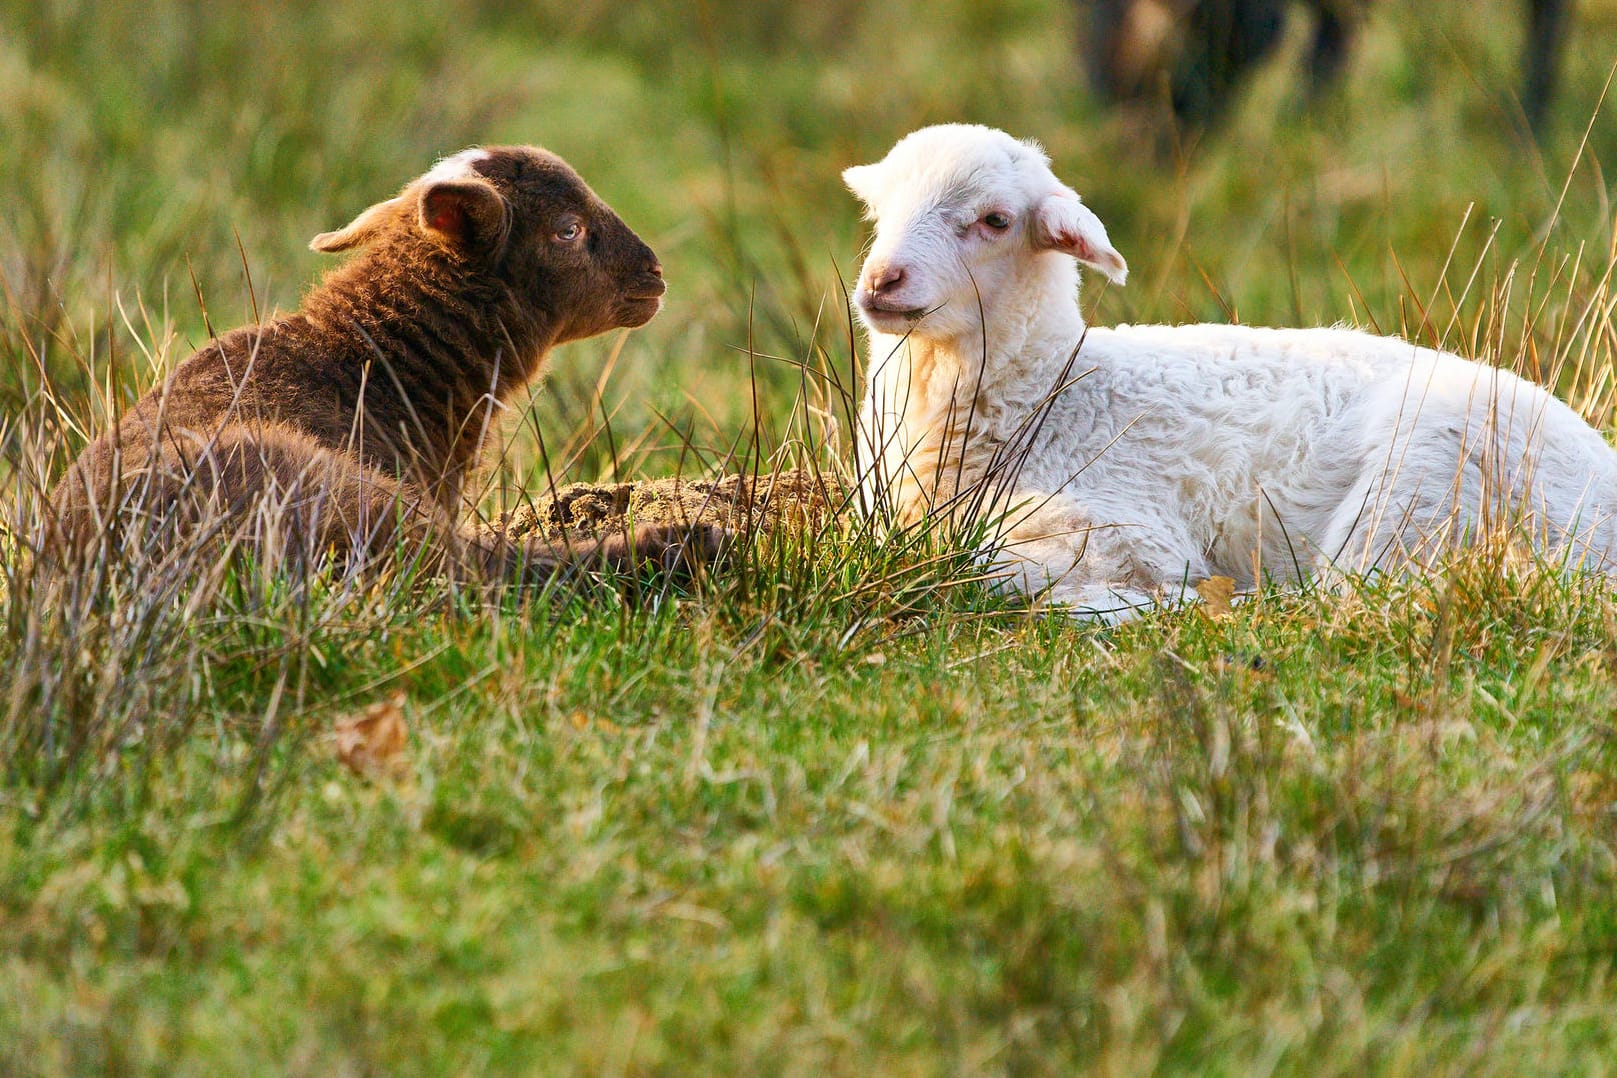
pixel 835 811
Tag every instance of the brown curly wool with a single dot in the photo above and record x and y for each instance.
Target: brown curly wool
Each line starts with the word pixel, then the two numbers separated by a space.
pixel 348 427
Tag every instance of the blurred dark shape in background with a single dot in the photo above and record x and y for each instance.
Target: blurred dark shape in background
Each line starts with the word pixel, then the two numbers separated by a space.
pixel 1195 54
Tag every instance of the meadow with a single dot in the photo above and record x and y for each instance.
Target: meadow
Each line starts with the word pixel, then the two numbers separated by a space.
pixel 839 808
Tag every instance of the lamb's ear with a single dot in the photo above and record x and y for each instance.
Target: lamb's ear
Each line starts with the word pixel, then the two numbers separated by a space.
pixel 1062 223
pixel 464 213
pixel 861 180
pixel 357 231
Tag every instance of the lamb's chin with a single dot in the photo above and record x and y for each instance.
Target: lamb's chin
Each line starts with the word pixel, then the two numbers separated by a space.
pixel 636 312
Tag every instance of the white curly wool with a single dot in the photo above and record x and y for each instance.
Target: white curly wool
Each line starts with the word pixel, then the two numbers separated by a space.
pixel 1121 465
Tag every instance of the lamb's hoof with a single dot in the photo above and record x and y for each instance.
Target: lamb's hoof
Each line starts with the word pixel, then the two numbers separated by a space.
pixel 673 548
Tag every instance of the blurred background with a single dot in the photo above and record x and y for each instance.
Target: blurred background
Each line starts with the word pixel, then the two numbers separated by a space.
pixel 175 156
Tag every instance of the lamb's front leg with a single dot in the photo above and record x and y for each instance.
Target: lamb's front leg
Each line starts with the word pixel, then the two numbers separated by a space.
pixel 1093 563
pixel 674 548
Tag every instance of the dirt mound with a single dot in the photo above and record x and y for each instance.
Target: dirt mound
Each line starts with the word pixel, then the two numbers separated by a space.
pixel 789 501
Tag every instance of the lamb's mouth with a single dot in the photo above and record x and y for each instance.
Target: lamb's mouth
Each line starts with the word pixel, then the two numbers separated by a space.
pixel 649 287
pixel 877 308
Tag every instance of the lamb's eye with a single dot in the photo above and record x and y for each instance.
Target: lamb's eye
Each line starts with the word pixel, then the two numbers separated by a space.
pixel 570 232
pixel 997 221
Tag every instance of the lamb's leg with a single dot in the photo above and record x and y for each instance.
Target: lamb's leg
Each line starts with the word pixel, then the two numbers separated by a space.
pixel 1107 604
pixel 1403 516
pixel 298 502
pixel 264 486
pixel 1104 571
pixel 671 548
pixel 388 518
pixel 1356 540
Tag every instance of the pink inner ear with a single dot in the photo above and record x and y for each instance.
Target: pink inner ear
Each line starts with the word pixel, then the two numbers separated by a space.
pixel 448 216
pixel 1072 243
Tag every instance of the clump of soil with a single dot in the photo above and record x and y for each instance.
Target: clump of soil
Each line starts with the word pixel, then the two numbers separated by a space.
pixel 792 501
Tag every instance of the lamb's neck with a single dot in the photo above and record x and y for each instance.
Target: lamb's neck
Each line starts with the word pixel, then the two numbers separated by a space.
pixel 1024 351
pixel 427 341
pixel 1032 335
pixel 936 408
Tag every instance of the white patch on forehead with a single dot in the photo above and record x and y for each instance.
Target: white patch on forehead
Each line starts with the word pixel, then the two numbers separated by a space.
pixel 456 167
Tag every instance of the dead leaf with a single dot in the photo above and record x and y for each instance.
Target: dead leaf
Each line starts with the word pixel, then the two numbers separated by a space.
pixel 1217 594
pixel 1592 793
pixel 372 744
pixel 582 722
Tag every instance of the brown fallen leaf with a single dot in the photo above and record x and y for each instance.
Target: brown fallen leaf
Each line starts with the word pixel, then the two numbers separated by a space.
pixel 1592 794
pixel 1217 593
pixel 372 745
pixel 583 722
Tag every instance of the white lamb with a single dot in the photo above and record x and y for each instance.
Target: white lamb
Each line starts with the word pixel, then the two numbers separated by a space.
pixel 1119 466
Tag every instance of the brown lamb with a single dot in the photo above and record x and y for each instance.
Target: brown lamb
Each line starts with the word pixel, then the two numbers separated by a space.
pixel 352 424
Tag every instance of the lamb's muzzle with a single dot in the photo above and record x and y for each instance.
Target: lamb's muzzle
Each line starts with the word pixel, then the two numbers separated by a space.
pixel 880 295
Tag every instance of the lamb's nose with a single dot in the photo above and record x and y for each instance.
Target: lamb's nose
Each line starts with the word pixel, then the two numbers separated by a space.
pixel 886 279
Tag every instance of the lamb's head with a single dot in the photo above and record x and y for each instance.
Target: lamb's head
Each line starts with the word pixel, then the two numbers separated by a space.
pixel 522 217
pixel 966 215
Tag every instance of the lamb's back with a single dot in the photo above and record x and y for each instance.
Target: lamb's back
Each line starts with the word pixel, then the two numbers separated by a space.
pixel 1225 429
pixel 1218 398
